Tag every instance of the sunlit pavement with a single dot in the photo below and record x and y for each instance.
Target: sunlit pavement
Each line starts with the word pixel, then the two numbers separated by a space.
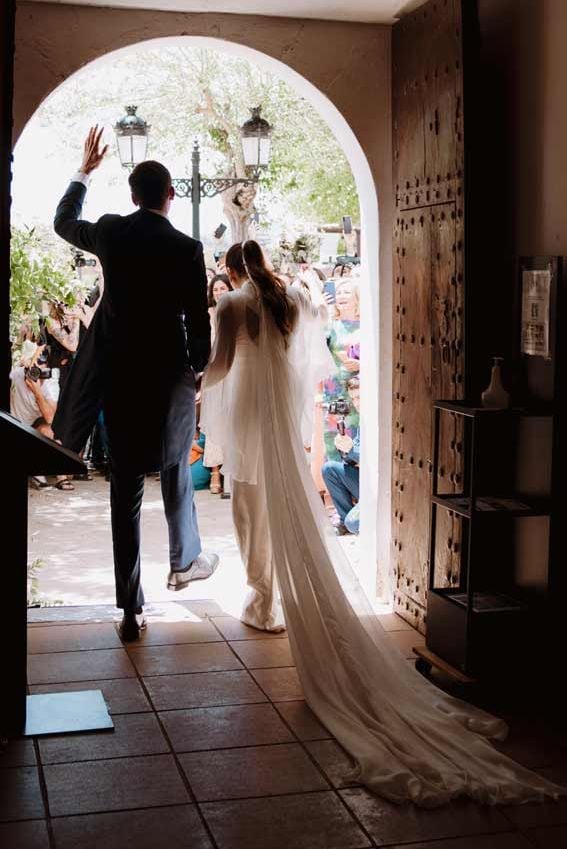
pixel 70 533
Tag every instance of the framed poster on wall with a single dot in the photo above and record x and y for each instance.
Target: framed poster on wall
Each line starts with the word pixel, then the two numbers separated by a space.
pixel 538 288
pixel 536 298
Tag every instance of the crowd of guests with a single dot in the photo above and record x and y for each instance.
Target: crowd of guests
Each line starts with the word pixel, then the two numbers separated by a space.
pixel 46 358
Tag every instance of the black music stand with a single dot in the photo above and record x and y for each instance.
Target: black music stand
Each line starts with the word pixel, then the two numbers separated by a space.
pixel 27 452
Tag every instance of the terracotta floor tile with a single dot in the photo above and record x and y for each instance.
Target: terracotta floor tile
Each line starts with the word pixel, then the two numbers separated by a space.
pixel 20 794
pixel 224 727
pixel 117 784
pixel 389 823
pixel 537 815
pixel 134 734
pixel 206 689
pixel 234 629
pixel 57 638
pixel 540 815
pixel 178 827
pixel 79 666
pixel 334 762
pixel 175 633
pixel 31 834
pixel 405 640
pixel 171 660
pixel 203 607
pixel 258 771
pixel 510 840
pixel 554 837
pixel 281 685
pixel 302 720
pixel 122 695
pixel 393 622
pixel 263 654
pixel 310 821
pixel 18 753
pixel 534 744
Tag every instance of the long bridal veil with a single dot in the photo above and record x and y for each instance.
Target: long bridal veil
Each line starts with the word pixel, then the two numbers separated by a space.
pixel 408 740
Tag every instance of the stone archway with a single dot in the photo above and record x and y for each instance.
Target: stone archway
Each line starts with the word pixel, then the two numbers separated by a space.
pixel 375 295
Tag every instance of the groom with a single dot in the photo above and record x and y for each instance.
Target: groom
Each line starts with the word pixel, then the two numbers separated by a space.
pixel 137 362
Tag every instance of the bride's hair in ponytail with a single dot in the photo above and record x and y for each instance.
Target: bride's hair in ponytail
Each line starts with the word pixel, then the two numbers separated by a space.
pixel 271 289
pixel 233 260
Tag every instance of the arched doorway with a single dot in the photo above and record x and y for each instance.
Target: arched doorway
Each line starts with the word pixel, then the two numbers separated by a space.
pixel 375 412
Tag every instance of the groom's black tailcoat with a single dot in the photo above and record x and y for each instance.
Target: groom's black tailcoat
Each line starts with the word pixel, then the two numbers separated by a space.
pixel 150 331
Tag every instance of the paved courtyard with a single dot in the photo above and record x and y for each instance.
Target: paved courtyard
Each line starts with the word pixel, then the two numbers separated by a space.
pixel 70 533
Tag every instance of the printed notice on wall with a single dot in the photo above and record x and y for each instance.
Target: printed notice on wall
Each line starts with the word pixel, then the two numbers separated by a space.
pixel 536 292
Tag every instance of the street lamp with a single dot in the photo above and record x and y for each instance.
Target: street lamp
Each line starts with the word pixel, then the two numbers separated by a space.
pixel 256 135
pixel 132 138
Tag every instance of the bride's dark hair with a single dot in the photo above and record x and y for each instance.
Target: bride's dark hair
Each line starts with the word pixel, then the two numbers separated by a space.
pixel 271 289
pixel 233 260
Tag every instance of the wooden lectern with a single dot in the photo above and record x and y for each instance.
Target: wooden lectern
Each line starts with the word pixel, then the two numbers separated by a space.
pixel 26 452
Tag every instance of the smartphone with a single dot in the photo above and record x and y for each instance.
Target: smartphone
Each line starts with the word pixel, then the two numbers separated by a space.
pixel 329 289
pixel 220 231
pixel 347 224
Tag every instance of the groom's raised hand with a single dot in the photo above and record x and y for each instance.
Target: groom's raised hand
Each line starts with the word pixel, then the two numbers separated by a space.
pixel 92 154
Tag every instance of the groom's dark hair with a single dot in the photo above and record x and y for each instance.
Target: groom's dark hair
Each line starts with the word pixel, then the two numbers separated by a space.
pixel 150 181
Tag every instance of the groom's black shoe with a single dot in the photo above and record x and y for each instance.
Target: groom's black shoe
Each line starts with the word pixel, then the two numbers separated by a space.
pixel 131 625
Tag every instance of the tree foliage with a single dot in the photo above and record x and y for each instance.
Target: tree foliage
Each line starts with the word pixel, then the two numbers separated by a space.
pixel 40 271
pixel 186 92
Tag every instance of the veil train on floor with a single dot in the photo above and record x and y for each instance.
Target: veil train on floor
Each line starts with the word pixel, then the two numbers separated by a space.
pixel 409 740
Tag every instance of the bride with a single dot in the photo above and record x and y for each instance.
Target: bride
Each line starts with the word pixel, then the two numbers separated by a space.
pixel 409 740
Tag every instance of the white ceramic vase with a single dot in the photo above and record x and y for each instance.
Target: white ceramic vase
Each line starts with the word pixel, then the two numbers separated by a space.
pixel 495 395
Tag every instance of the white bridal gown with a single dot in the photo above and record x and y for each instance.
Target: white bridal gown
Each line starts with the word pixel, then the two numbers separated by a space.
pixel 408 739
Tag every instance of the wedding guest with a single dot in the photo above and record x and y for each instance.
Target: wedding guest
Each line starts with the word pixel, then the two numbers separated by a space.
pixel 211 274
pixel 342 269
pixel 61 329
pixel 342 476
pixel 33 398
pixel 219 285
pixel 344 333
pixel 200 475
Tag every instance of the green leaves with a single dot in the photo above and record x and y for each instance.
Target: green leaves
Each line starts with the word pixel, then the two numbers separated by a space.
pixel 185 92
pixel 40 271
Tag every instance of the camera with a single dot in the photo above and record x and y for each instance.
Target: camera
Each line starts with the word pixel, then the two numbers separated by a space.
pixel 38 371
pixel 340 406
pixel 35 373
pixel 93 295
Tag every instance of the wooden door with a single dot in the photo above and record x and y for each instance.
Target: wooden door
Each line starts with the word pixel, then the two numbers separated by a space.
pixel 428 144
pixel 7 17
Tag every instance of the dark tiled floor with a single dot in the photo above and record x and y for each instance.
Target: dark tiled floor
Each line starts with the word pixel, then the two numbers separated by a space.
pixel 214 748
pixel 86 665
pixel 307 821
pixel 280 685
pixel 170 692
pixel 201 729
pixel 168 660
pixel 122 695
pixel 31 834
pixel 172 828
pixel 43 639
pixel 390 824
pixel 302 720
pixel 263 654
pixel 114 785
